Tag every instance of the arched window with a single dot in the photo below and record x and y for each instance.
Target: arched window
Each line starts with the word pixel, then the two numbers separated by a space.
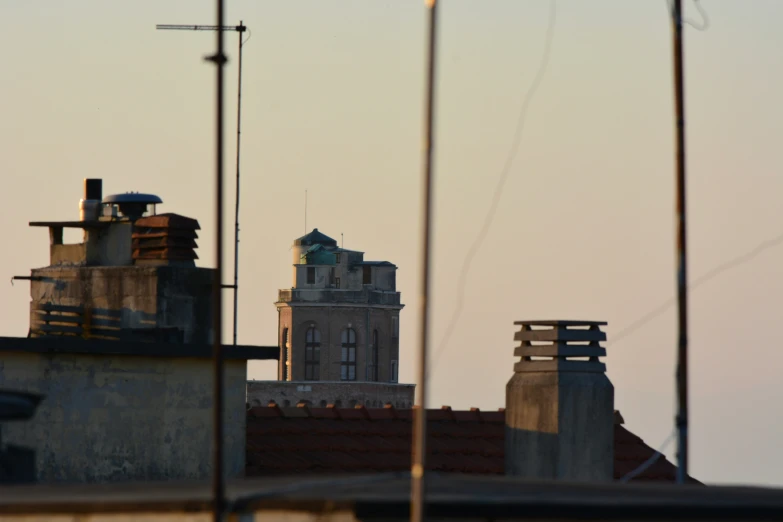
pixel 312 354
pixel 348 358
pixel 284 356
pixel 373 365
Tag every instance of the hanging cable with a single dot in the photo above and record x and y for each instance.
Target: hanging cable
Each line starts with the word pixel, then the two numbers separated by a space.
pixel 504 173
pixel 652 460
pixel 715 272
pixel 705 21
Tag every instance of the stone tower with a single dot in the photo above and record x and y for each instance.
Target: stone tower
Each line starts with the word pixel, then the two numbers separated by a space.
pixel 341 319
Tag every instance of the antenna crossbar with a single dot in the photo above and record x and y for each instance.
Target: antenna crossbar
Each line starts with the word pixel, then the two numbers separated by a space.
pixel 238 28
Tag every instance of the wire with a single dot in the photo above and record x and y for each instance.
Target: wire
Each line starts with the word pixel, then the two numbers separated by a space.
pixel 715 272
pixel 705 21
pixel 649 462
pixel 504 173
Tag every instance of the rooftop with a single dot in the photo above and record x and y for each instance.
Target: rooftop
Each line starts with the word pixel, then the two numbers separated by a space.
pixel 76 345
pixel 361 440
pixel 315 238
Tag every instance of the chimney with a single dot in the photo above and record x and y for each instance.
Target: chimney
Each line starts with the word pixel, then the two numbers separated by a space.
pixel 560 404
pixel 90 204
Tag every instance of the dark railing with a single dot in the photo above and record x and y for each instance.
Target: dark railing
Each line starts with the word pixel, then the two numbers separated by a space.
pixel 331 295
pixel 52 320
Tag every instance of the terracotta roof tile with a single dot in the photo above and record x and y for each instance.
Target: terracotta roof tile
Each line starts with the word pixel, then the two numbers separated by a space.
pixel 337 440
pixel 261 411
pixel 467 416
pixel 382 413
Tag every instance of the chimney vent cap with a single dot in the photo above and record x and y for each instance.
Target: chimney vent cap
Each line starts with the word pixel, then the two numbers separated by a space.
pixel 560 346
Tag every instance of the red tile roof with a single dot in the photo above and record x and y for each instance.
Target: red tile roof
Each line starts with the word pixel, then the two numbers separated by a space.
pixel 330 440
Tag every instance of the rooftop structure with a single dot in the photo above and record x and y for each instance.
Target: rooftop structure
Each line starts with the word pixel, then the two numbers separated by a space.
pixel 133 277
pixel 120 411
pixel 323 441
pixel 340 319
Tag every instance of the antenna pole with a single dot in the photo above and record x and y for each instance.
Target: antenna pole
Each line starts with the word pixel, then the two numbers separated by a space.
pixel 236 205
pixel 241 28
pixel 418 466
pixel 682 252
pixel 218 485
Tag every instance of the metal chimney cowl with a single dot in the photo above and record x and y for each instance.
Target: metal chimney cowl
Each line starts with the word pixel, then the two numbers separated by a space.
pixel 90 204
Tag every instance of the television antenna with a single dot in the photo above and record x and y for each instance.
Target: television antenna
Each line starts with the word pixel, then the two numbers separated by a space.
pixel 240 29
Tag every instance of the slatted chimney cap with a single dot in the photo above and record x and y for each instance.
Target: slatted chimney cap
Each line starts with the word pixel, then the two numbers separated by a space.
pixel 560 345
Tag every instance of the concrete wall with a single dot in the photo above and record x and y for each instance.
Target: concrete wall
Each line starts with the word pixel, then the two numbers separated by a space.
pixel 323 276
pixel 104 246
pixel 385 278
pixel 110 246
pixel 351 279
pixel 120 418
pixel 321 394
pixel 331 321
pixel 146 297
pixel 560 425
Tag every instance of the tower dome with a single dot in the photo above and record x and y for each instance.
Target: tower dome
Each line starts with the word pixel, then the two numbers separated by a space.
pixel 315 238
pixel 302 244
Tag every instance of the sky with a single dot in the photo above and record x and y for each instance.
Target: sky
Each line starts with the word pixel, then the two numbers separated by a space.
pixel 333 97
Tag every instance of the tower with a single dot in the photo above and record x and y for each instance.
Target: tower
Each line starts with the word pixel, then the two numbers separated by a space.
pixel 340 320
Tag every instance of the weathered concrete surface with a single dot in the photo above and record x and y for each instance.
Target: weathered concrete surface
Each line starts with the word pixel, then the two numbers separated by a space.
pixel 560 425
pixel 146 297
pixel 322 393
pixel 123 418
pixel 104 245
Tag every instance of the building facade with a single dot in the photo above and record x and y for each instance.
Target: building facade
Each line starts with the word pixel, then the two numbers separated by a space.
pixel 340 321
pixel 322 394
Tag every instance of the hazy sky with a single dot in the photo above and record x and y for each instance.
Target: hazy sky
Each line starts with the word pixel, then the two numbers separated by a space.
pixel 332 103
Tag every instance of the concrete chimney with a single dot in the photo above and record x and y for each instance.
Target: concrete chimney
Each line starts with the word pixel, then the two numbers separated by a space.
pixel 560 404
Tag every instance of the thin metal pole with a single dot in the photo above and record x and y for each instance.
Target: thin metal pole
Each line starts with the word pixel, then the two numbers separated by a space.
pixel 217 299
pixel 240 33
pixel 682 253
pixel 418 466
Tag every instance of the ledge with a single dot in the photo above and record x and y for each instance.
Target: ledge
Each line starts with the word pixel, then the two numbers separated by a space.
pixel 133 348
pixel 71 224
pixel 387 497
